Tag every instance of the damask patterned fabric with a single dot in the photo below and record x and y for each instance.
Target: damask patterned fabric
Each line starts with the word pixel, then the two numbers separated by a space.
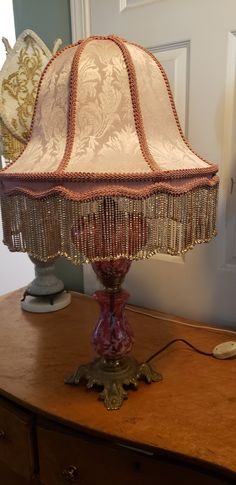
pixel 19 79
pixel 105 128
pixel 166 144
pixel 46 147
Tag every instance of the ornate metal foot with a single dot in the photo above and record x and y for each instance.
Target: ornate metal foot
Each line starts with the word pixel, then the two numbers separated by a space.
pixel 146 371
pixel 114 376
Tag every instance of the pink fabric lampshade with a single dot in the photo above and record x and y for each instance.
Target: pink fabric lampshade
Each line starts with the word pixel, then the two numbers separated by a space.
pixel 107 171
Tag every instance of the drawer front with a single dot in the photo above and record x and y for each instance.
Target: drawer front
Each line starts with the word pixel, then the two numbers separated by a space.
pixel 8 477
pixel 16 444
pixel 66 458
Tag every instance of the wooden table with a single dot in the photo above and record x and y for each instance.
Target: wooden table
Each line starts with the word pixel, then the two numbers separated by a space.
pixel 181 430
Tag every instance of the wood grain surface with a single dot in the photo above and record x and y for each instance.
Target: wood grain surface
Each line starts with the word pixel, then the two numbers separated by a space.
pixel 191 413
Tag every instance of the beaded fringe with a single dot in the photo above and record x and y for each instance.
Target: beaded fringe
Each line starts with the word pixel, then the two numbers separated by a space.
pixel 108 227
pixel 11 146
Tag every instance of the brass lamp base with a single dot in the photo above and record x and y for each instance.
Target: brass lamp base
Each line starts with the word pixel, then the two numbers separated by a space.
pixel 114 376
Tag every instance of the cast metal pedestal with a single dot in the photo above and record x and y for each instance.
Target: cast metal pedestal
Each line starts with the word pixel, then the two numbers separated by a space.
pixel 114 376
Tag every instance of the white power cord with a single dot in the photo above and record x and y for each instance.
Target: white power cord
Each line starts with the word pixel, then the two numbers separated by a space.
pixel 224 350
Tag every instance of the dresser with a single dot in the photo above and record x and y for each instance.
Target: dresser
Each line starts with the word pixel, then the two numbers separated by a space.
pixel 178 431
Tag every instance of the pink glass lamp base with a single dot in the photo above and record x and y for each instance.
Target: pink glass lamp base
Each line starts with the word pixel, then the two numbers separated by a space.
pixel 113 339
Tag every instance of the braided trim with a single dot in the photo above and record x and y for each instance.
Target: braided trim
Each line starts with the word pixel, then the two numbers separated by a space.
pixel 138 118
pixel 171 98
pixel 72 107
pixel 94 177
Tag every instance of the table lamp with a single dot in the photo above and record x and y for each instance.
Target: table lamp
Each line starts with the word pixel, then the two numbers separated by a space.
pixel 107 177
pixel 19 78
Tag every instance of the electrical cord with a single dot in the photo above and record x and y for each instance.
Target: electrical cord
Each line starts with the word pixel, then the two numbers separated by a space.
pixel 224 350
pixel 208 354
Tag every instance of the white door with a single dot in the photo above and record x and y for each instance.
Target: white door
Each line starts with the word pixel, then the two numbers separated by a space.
pixel 196 43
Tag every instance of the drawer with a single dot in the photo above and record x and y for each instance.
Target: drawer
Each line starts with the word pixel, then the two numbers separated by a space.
pixel 67 457
pixel 8 477
pixel 16 439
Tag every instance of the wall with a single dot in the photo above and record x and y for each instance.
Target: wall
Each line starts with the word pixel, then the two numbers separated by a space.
pixel 50 19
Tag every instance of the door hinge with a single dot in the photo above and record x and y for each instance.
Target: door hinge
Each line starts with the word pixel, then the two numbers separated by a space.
pixel 232 185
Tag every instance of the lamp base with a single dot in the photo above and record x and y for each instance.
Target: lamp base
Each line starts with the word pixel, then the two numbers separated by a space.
pixel 46 303
pixel 114 376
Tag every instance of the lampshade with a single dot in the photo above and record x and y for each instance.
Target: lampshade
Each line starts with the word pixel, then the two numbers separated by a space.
pixel 107 172
pixel 19 78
